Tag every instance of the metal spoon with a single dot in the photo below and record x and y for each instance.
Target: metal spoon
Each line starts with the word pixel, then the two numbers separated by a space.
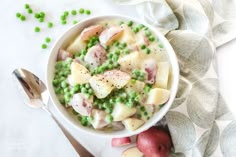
pixel 36 96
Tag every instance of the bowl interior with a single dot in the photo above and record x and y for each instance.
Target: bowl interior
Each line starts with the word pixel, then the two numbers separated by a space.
pixel 63 42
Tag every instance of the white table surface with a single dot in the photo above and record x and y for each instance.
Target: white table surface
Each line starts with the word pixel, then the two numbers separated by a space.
pixel 25 132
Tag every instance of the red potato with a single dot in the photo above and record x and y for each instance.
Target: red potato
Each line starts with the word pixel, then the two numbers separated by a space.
pixel 154 142
pixel 91 31
pixel 81 105
pixel 63 55
pixel 117 142
pixel 95 56
pixel 150 66
pixel 132 152
pixel 110 34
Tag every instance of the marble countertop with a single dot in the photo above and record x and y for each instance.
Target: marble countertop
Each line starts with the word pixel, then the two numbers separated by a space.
pixel 27 132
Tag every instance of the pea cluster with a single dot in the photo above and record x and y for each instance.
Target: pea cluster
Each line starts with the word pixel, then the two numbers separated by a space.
pixel 62 70
pixel 130 99
pixel 40 16
pixel 138 75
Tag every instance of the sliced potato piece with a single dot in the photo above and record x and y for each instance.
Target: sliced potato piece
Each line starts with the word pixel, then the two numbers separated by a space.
pixel 95 56
pixel 132 152
pixel 118 78
pixel 99 119
pixel 132 124
pixel 79 73
pixel 128 36
pixel 158 96
pixel 81 105
pixel 150 66
pixel 130 61
pixel 76 46
pixel 101 86
pixel 121 112
pixel 63 55
pixel 162 75
pixel 110 34
pixel 137 86
pixel 88 32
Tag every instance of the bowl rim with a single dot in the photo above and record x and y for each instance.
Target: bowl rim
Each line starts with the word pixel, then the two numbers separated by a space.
pixel 173 91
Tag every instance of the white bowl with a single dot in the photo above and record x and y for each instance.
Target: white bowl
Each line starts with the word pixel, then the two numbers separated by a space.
pixel 63 41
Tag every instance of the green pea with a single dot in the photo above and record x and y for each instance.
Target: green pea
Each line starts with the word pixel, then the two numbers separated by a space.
pixel 130 23
pixel 55 82
pixel 75 22
pixel 30 11
pixel 133 81
pixel 129 104
pixel 136 30
pixel 147 89
pixel 64 84
pixel 18 15
pixel 22 18
pixel 123 45
pixel 143 47
pixel 148 51
pixel 119 99
pixel 140 26
pixel 137 72
pixel 110 66
pixel 116 43
pixel 42 14
pixel 63 22
pixel 37 29
pixel 66 13
pixel 139 116
pixel 44 46
pixel 108 110
pixel 151 38
pixel 76 88
pixel 142 108
pixel 27 6
pixel 50 24
pixel 73 12
pixel 109 118
pixel 62 101
pixel 41 19
pixel 63 17
pixel 75 112
pixel 126 51
pixel 116 65
pixel 36 15
pixel 145 113
pixel 47 40
pixel 81 10
pixel 87 86
pixel 148 33
pixel 88 12
pixel 66 90
pixel 83 90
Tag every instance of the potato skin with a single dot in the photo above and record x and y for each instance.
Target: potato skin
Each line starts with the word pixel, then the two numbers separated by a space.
pixel 154 142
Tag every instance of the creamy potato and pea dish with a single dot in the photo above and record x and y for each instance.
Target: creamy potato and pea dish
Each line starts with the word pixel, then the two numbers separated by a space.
pixel 114 75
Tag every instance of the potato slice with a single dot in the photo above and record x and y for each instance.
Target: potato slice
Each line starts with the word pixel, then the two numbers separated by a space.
pixel 150 66
pixel 76 46
pixel 101 86
pixel 128 36
pixel 118 78
pixel 162 75
pixel 110 34
pixel 158 96
pixel 99 119
pixel 88 32
pixel 81 105
pixel 63 55
pixel 121 112
pixel 132 152
pixel 95 56
pixel 130 61
pixel 132 124
pixel 79 74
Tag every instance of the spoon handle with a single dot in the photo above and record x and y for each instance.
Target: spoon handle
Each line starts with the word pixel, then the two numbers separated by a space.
pixel 80 149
